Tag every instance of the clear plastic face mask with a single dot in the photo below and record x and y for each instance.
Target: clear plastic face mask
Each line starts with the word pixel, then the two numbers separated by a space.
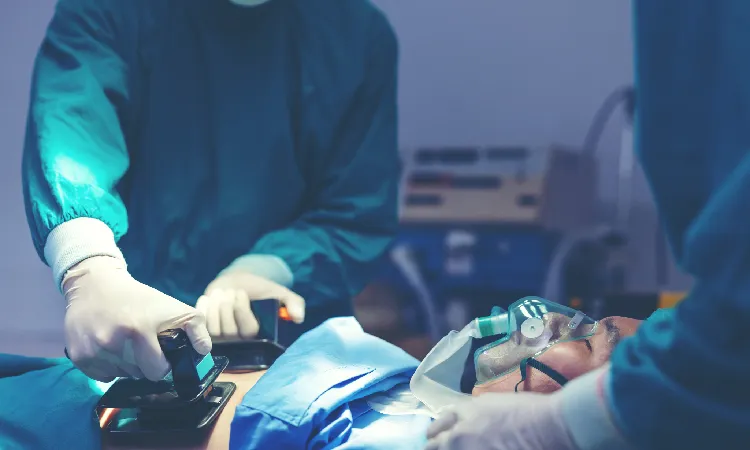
pixel 534 325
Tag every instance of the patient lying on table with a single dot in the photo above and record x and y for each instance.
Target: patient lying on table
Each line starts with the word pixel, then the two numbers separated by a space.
pixel 315 395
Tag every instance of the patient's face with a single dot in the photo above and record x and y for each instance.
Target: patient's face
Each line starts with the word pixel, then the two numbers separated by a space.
pixel 571 359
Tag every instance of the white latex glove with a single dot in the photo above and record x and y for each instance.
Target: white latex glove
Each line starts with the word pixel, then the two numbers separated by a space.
pixel 226 304
pixel 112 322
pixel 522 421
pixel 577 417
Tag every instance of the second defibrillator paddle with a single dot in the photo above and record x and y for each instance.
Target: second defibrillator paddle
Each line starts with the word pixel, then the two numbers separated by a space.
pixel 258 353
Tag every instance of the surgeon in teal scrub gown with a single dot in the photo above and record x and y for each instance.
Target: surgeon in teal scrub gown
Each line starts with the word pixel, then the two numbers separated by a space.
pixel 212 152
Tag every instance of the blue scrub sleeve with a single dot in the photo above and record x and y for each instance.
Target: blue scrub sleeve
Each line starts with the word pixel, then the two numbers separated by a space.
pixel 46 404
pixel 682 380
pixel 74 151
pixel 353 218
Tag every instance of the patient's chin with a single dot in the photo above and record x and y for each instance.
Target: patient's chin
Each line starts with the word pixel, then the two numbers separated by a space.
pixel 507 383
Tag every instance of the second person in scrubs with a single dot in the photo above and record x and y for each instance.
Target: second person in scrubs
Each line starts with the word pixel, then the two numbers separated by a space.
pixel 229 151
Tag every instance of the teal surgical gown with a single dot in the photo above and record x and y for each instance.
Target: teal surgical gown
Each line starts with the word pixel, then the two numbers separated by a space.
pixel 683 381
pixel 201 131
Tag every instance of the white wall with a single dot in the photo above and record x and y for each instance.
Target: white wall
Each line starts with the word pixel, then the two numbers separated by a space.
pixel 507 71
pixel 28 299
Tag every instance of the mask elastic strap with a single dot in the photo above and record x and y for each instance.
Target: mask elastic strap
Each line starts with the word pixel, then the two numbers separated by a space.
pixel 544 368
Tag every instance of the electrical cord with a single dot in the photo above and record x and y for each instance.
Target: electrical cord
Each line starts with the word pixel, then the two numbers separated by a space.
pixel 554 284
pixel 622 94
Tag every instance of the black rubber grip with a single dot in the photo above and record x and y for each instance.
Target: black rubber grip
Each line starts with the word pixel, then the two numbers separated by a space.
pixel 183 359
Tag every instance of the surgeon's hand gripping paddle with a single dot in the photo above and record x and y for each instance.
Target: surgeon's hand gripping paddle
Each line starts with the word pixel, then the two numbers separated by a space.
pixel 187 401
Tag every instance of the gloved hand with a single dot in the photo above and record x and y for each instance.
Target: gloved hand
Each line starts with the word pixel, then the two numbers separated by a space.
pixel 112 322
pixel 522 421
pixel 226 303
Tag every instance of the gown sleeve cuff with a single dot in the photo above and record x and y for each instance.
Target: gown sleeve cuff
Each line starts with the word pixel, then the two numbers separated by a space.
pixel 586 413
pixel 75 240
pixel 270 267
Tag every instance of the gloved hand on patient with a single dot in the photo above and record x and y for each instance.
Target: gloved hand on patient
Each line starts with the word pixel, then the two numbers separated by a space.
pixel 226 303
pixel 577 417
pixel 112 322
pixel 523 421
